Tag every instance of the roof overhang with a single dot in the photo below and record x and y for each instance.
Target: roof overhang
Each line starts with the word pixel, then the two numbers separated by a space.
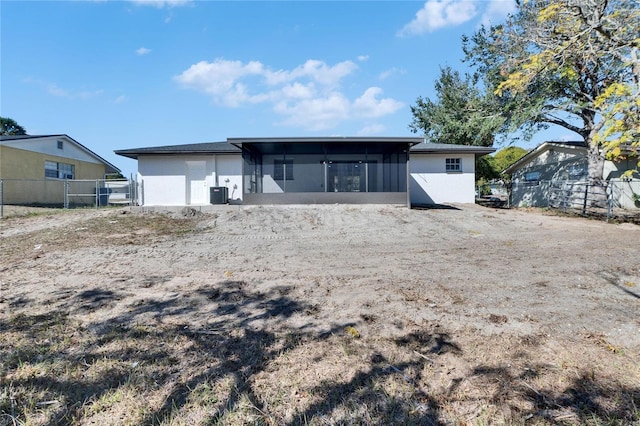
pixel 313 145
pixel 545 146
pixel 445 148
pixel 223 148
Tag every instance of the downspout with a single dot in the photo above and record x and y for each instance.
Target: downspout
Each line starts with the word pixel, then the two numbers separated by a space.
pixel 215 169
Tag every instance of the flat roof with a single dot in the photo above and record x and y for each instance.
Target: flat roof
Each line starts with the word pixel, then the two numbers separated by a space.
pixel 327 139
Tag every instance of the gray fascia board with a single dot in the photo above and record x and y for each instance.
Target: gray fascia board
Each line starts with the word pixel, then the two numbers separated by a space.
pixel 238 142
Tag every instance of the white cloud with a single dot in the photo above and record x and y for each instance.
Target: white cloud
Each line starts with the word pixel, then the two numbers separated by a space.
pixel 437 14
pixel 372 129
pixel 390 72
pixel 368 105
pixel 308 96
pixel 143 51
pixel 314 69
pixel 120 99
pixel 162 3
pixel 59 92
pixel 363 58
pixel 497 10
pixel 220 79
pixel 315 114
pixel 299 91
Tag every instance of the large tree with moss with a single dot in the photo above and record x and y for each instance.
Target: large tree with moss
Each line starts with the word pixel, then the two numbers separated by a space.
pixel 570 63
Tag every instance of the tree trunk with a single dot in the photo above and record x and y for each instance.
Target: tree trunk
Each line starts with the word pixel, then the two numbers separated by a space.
pixel 597 191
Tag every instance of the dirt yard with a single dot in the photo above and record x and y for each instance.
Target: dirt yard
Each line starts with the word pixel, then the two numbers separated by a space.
pixel 318 315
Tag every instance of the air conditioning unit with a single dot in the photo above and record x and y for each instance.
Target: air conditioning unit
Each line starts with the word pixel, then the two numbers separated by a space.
pixel 218 195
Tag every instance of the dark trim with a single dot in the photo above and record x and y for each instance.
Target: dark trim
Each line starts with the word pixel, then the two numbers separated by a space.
pixel 326 198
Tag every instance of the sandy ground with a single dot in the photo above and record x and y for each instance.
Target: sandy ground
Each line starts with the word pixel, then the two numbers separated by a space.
pixel 480 274
pixel 378 268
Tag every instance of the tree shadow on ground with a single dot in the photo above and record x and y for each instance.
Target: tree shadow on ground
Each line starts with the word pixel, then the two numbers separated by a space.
pixel 58 371
pixel 585 399
pixel 364 393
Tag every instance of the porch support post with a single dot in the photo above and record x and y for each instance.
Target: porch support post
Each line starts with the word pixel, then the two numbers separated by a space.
pixel 408 176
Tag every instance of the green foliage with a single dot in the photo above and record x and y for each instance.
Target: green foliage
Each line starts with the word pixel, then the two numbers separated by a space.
pixel 567 63
pixel 460 115
pixel 9 126
pixel 507 156
pixel 486 169
pixel 115 176
pixel 491 167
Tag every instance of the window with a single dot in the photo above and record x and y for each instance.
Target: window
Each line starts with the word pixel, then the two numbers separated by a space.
pixel 532 176
pixel 453 165
pixel 59 170
pixel 283 169
pixel 60 145
pixel 577 170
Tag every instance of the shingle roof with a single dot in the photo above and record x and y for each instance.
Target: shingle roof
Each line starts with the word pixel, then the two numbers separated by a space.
pixel 231 145
pixel 428 147
pixel 193 148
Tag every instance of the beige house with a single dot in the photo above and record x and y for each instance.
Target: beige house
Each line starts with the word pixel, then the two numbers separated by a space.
pixel 33 169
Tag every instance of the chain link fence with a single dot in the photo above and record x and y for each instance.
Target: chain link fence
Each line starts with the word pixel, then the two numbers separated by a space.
pixel 67 194
pixel 616 198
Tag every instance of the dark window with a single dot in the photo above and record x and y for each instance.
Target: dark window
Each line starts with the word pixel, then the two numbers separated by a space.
pixel 453 164
pixel 59 170
pixel 60 145
pixel 283 169
pixel 532 176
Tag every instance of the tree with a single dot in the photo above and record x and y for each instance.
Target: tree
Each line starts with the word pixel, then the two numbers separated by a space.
pixel 9 126
pixel 490 167
pixel 507 156
pixel 571 63
pixel 459 115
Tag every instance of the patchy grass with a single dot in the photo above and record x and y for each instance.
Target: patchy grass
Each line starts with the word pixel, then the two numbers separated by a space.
pixel 58 369
pixel 55 371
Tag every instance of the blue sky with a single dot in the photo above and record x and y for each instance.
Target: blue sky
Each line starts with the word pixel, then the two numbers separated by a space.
pixel 128 74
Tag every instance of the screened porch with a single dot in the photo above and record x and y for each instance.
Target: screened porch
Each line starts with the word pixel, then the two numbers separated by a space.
pixel 326 170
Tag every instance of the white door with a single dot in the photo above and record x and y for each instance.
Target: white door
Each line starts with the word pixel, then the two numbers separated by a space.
pixel 197 182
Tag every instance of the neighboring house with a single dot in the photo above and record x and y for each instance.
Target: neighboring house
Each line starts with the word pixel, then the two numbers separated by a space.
pixel 389 170
pixel 34 168
pixel 556 166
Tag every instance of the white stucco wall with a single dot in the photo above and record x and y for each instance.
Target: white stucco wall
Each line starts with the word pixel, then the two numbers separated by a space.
pixel 430 183
pixel 164 178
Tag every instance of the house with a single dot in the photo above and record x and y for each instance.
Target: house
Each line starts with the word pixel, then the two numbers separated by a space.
pixel 33 169
pixel 560 167
pixel 388 170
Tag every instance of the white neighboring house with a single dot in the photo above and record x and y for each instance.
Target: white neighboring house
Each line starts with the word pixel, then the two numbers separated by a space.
pixel 564 164
pixel 385 170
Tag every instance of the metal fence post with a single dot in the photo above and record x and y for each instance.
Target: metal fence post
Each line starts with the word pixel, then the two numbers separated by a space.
pixel 66 194
pixel 97 195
